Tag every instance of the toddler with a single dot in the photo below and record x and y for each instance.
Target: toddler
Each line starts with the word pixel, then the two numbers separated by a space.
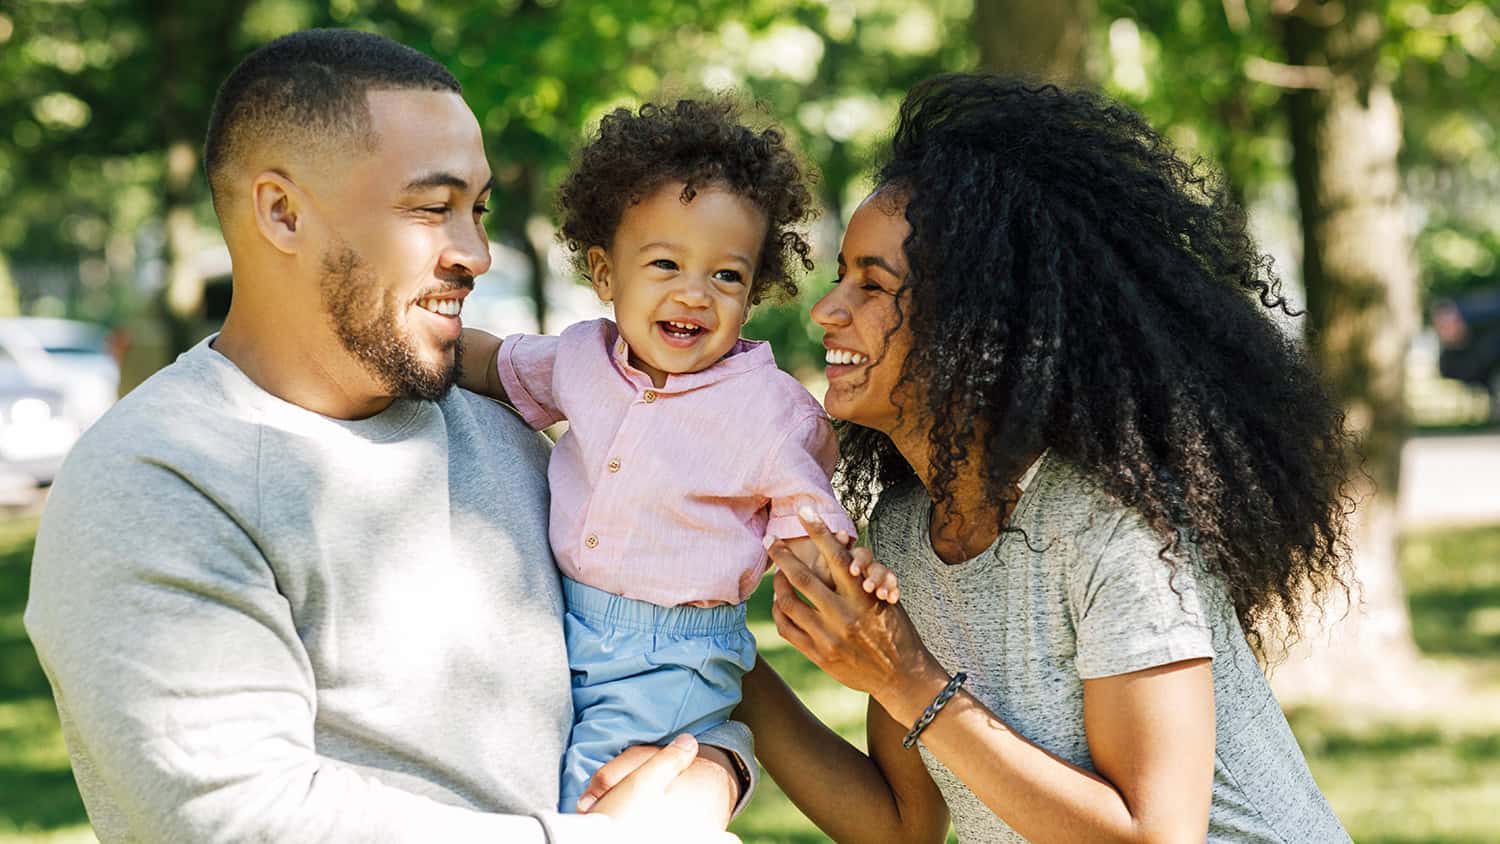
pixel 687 450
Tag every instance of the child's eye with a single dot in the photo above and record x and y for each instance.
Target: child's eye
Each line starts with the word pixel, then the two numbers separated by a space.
pixel 732 276
pixel 665 264
pixel 481 209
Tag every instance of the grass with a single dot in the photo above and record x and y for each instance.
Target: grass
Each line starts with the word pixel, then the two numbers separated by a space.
pixel 1433 779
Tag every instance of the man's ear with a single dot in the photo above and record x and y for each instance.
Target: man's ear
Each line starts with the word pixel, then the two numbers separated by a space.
pixel 278 207
pixel 600 273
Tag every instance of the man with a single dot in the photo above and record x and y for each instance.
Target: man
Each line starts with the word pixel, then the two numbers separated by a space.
pixel 294 587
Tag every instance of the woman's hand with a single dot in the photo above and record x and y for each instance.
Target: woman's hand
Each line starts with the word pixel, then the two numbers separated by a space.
pixel 856 638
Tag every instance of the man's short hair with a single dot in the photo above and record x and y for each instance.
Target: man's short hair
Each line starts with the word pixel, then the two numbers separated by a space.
pixel 307 90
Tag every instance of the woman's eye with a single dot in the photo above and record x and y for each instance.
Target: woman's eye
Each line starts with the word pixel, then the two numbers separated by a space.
pixel 434 209
pixel 481 209
pixel 664 264
pixel 732 276
pixel 871 287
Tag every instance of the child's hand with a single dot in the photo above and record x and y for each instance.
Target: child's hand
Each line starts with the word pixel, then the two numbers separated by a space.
pixel 878 580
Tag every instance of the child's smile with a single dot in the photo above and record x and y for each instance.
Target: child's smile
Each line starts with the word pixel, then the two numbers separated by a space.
pixel 679 275
pixel 681 334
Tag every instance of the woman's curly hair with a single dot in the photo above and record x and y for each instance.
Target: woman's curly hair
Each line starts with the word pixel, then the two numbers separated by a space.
pixel 699 143
pixel 1078 287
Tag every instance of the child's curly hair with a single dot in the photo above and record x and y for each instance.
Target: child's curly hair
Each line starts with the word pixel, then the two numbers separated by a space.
pixel 698 143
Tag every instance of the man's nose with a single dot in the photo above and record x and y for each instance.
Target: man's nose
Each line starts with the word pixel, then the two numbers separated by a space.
pixel 470 252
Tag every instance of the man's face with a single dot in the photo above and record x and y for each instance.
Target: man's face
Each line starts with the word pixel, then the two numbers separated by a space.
pixel 404 241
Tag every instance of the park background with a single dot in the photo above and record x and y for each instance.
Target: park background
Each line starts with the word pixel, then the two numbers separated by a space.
pixel 1360 136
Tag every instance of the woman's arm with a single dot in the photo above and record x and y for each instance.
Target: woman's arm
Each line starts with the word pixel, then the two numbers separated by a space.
pixel 478 369
pixel 849 795
pixel 1150 733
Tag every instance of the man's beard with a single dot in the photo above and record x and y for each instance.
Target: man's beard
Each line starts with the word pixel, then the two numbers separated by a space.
pixel 367 320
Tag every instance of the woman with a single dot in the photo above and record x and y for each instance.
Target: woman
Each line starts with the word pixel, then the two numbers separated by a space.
pixel 1101 468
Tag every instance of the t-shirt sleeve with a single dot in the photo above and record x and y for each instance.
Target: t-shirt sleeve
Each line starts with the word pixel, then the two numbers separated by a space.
pixel 798 475
pixel 526 365
pixel 1134 610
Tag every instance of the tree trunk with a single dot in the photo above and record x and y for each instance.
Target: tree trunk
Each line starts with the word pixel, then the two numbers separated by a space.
pixel 1046 40
pixel 1360 275
pixel 192 47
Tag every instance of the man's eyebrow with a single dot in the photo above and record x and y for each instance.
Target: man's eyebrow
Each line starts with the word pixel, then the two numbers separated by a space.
pixel 444 179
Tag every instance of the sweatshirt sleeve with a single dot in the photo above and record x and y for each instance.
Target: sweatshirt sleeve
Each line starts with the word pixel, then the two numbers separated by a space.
pixel 185 689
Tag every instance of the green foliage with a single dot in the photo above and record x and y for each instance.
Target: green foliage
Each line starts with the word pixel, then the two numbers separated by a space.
pixel 96 90
pixel 1209 73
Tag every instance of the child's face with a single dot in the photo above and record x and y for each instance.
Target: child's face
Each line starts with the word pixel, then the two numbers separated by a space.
pixel 679 276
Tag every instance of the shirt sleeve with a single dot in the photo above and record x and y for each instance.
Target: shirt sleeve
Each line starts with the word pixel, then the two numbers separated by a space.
pixel 798 475
pixel 186 691
pixel 1134 610
pixel 526 364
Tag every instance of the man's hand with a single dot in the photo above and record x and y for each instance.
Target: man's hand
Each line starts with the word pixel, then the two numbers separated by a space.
pixel 681 788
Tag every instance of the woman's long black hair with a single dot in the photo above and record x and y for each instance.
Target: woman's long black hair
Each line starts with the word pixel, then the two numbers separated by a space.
pixel 1074 285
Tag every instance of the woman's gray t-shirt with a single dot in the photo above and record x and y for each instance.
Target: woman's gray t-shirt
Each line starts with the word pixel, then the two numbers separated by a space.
pixel 1091 597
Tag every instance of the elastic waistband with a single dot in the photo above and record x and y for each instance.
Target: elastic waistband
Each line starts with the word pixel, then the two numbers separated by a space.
pixel 620 612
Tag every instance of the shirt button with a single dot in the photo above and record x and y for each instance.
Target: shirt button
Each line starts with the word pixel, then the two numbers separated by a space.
pixel 650 396
pixel 592 541
pixel 614 465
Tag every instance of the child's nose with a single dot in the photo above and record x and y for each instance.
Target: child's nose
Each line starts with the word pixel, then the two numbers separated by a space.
pixel 693 291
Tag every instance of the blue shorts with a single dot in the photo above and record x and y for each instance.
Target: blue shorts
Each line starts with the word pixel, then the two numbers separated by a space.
pixel 644 673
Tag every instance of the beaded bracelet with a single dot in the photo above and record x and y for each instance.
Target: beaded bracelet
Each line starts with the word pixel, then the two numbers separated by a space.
pixel 932 708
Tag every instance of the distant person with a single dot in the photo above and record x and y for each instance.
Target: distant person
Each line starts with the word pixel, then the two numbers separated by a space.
pixel 688 450
pixel 1099 466
pixel 294 587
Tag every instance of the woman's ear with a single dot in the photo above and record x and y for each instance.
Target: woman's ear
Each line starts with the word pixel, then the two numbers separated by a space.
pixel 276 204
pixel 600 273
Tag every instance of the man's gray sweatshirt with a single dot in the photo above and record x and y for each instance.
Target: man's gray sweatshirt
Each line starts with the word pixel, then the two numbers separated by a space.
pixel 263 624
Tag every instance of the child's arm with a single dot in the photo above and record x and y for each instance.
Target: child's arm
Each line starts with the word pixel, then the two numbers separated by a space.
pixel 518 371
pixel 796 483
pixel 478 369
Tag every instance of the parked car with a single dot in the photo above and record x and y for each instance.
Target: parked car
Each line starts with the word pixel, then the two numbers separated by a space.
pixel 35 433
pixel 1468 331
pixel 67 355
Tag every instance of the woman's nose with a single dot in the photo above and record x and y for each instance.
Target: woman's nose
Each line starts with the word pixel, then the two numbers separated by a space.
pixel 829 311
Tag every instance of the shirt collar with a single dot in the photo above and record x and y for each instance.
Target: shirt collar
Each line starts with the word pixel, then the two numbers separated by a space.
pixel 743 356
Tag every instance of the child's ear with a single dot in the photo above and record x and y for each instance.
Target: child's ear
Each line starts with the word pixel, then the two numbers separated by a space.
pixel 600 273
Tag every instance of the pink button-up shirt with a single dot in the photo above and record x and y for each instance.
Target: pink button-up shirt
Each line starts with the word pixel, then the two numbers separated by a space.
pixel 664 494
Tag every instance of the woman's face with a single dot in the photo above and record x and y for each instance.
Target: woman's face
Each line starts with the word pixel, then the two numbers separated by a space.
pixel 860 310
